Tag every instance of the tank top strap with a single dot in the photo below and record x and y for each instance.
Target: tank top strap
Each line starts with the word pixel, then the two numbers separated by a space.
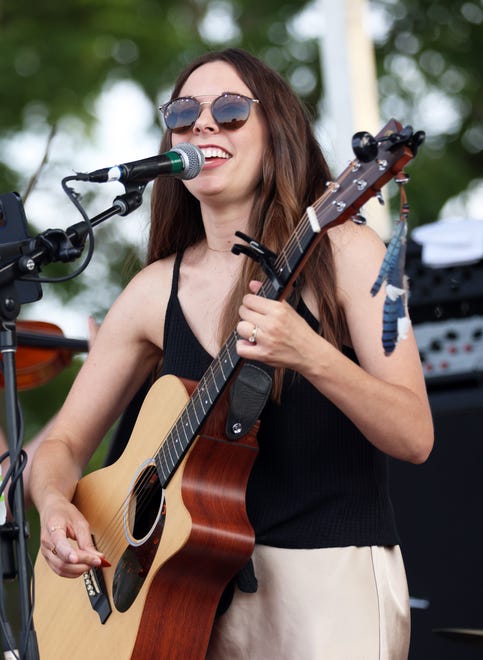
pixel 176 267
pixel 173 298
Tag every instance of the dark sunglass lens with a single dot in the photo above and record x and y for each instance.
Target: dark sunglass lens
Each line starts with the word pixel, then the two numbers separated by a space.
pixel 181 114
pixel 231 111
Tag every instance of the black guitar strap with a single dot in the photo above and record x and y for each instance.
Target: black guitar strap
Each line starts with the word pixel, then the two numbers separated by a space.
pixel 250 391
pixel 248 396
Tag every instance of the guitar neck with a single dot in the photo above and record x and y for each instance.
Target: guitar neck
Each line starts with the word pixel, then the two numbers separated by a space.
pixel 222 369
pixel 342 200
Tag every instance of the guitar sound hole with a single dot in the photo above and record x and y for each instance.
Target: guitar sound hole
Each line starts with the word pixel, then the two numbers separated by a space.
pixel 146 504
pixel 145 517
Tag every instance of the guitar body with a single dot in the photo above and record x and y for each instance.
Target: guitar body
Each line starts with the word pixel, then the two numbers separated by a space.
pixel 169 564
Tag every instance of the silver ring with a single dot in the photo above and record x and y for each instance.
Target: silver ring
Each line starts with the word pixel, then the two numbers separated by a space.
pixel 253 337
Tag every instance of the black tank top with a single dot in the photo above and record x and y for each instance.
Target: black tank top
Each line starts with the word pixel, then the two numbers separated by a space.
pixel 317 482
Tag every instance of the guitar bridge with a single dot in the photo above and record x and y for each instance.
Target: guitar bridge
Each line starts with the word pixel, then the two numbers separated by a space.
pixel 95 588
pixel 96 591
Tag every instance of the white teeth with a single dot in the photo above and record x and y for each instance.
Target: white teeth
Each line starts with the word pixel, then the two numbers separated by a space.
pixel 213 152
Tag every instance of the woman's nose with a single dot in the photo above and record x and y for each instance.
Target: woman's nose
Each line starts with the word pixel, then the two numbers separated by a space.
pixel 205 119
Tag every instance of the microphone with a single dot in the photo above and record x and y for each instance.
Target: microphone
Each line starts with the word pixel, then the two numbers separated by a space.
pixel 184 161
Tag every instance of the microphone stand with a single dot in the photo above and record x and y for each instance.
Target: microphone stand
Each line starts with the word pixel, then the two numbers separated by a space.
pixel 49 246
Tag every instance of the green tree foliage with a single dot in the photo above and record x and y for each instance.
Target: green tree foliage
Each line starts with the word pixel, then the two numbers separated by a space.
pixel 60 54
pixel 57 56
pixel 429 69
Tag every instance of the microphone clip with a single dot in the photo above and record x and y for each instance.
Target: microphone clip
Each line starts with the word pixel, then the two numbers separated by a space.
pixel 59 246
pixel 131 199
pixel 262 255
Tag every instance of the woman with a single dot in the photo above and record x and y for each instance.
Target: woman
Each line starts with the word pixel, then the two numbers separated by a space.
pixel 331 582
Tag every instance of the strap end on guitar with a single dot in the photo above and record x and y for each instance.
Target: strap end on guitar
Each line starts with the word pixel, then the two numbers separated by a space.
pixel 248 396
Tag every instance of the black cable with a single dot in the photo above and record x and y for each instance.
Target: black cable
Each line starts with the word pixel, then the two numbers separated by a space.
pixel 74 197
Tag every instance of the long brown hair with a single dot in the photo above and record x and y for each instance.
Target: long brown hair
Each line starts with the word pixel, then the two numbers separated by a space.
pixel 294 175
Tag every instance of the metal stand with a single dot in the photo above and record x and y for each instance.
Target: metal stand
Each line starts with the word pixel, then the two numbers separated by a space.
pixel 17 531
pixel 24 260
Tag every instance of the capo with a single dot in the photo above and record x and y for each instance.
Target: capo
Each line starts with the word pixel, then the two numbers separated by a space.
pixel 261 254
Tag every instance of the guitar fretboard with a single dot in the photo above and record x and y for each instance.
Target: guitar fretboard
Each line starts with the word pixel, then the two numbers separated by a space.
pixel 342 199
pixel 222 369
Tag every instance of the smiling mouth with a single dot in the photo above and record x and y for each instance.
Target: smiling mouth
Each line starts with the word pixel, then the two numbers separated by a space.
pixel 215 152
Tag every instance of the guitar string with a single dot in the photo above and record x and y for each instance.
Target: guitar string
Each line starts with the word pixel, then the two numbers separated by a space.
pixel 165 449
pixel 210 376
pixel 141 491
pixel 143 497
pixel 142 501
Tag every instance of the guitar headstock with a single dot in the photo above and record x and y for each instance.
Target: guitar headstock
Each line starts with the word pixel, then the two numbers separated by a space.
pixel 378 160
pixel 384 158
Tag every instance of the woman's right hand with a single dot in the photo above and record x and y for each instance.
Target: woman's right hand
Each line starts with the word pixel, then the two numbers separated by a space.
pixel 66 541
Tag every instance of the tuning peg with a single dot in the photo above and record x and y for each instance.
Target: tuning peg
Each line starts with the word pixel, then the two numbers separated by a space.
pixel 359 219
pixel 417 141
pixel 364 146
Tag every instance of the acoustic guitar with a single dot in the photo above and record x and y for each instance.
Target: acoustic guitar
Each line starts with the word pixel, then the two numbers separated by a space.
pixel 170 513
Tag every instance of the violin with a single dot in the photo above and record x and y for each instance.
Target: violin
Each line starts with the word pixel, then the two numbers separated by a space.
pixel 42 352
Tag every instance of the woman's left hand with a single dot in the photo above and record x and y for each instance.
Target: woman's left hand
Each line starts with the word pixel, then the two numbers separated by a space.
pixel 272 332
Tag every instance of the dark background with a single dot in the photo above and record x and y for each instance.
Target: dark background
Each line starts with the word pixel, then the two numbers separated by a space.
pixel 439 504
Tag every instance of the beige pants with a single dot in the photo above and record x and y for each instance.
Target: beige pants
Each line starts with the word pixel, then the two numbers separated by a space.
pixel 329 604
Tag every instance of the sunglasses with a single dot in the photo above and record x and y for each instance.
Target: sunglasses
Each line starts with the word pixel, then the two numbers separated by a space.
pixel 230 111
